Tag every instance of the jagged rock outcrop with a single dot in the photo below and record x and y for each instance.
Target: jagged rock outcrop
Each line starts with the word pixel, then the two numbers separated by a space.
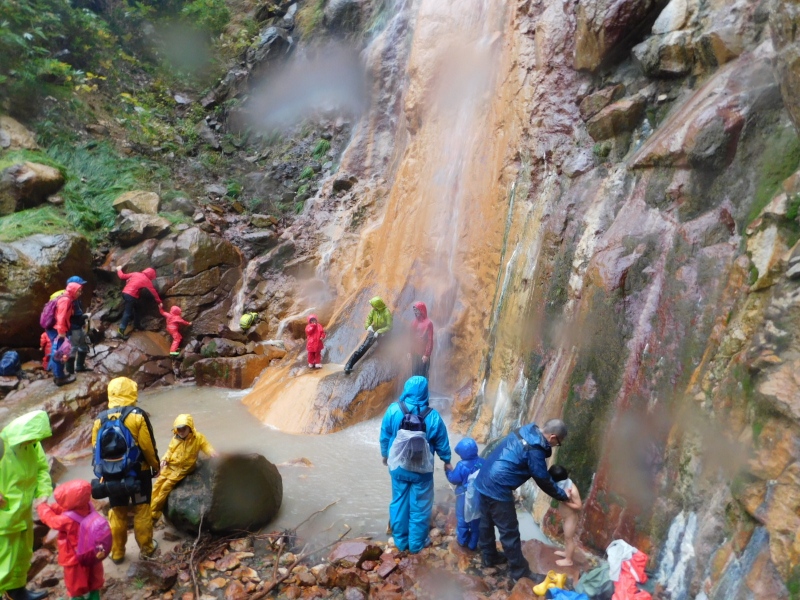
pixel 27 185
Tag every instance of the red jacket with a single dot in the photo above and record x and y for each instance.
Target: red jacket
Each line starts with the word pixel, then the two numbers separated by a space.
pixel 173 318
pixel 72 495
pixel 314 335
pixel 137 281
pixel 632 574
pixel 422 331
pixel 64 308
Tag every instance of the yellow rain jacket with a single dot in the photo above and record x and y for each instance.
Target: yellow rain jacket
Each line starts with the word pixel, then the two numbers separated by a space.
pixel 124 392
pixel 379 318
pixel 181 455
pixel 24 476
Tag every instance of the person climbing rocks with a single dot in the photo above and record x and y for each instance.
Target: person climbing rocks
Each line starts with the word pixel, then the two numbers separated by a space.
pixel 521 455
pixel 76 363
pixel 179 460
pixel 127 478
pixel 174 321
pixel 570 512
pixel 466 531
pixel 379 322
pixel 314 336
pixel 135 283
pixel 73 499
pixel 411 432
pixel 65 307
pixel 24 481
pixel 421 340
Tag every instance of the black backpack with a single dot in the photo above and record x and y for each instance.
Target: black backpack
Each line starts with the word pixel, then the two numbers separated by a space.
pixel 415 422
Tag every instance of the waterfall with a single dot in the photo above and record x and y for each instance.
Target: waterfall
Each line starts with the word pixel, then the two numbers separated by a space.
pixel 676 568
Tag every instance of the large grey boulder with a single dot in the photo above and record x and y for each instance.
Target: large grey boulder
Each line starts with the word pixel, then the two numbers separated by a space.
pixel 237 492
pixel 132 228
pixel 27 185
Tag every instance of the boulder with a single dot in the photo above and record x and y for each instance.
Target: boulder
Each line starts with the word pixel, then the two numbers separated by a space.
pixel 224 347
pixel 154 573
pixel 234 493
pixel 237 372
pixel 620 117
pixel 138 201
pixel 604 27
pixel 594 103
pixel 132 228
pixel 30 270
pixel 263 221
pixel 273 43
pixel 261 240
pixel 665 56
pixel 14 135
pixel 199 285
pixel 784 22
pixel 672 18
pixel 27 185
pixel 180 205
pixel 353 553
pixel 767 249
pixel 718 46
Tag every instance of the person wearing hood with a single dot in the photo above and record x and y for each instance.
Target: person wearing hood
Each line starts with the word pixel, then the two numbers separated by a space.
pixel 135 283
pixel 379 322
pixel 180 460
pixel 77 332
pixel 421 340
pixel 24 477
pixel 314 336
pixel 466 531
pixel 522 454
pixel 174 321
pixel 82 581
pixel 122 396
pixel 411 465
pixel 65 307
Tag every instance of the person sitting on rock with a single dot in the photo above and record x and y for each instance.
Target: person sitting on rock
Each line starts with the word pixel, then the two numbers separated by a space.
pixel 65 307
pixel 179 461
pixel 467 532
pixel 314 336
pixel 570 511
pixel 174 321
pixel 379 322
pixel 135 283
pixel 82 581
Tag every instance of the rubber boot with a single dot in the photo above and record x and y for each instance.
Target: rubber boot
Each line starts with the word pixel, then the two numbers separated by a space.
pixel 24 594
pixel 560 581
pixel 70 365
pixel 63 381
pixel 548 582
pixel 80 363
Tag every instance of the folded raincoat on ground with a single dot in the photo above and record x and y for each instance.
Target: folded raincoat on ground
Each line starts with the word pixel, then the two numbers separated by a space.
pixel 379 318
pixel 412 493
pixel 24 476
pixel 75 496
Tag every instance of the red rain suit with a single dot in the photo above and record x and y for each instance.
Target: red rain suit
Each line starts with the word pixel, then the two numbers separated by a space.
pixel 174 321
pixel 137 281
pixel 64 308
pixel 631 574
pixel 314 336
pixel 422 329
pixel 72 495
pixel 46 345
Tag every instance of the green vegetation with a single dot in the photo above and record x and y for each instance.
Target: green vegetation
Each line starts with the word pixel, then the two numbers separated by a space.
pixel 209 350
pixel 46 219
pixel 234 189
pixel 306 173
pixel 321 149
pixel 780 159
pixel 210 15
pixel 309 17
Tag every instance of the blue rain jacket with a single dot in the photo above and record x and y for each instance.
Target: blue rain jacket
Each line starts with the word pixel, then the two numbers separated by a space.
pixel 511 464
pixel 470 462
pixel 415 396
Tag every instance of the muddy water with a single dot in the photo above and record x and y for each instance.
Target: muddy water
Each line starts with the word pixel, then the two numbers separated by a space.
pixel 346 465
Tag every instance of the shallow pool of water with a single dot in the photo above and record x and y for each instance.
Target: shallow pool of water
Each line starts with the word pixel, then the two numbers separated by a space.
pixel 347 465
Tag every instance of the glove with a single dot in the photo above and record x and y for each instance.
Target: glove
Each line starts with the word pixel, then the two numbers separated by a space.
pixel 370 329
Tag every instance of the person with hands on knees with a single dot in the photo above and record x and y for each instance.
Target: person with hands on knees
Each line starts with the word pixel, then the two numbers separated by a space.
pixel 379 322
pixel 24 483
pixel 411 432
pixel 83 578
pixel 466 531
pixel 180 460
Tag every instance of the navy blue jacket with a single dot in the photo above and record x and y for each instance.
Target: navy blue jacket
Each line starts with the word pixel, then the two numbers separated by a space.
pixel 511 464
pixel 470 462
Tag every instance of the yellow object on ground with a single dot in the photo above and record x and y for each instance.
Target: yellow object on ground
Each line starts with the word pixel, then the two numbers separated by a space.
pixel 551 580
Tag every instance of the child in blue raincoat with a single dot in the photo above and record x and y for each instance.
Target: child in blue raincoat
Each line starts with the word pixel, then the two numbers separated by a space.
pixel 466 531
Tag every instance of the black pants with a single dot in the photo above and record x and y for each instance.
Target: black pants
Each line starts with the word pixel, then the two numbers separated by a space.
pixel 418 367
pixel 130 314
pixel 504 516
pixel 360 352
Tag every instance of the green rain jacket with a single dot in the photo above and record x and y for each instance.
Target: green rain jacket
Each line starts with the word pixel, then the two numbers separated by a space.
pixel 379 317
pixel 24 472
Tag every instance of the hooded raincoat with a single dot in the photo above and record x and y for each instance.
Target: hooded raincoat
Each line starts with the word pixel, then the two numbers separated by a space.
pixel 124 392
pixel 412 493
pixel 174 321
pixel 65 308
pixel 467 532
pixel 379 318
pixel 75 496
pixel 314 336
pixel 180 459
pixel 422 329
pixel 135 282
pixel 24 476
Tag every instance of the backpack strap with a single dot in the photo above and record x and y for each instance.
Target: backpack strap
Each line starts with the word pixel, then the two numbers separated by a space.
pixel 425 413
pixel 403 407
pixel 75 516
pixel 525 444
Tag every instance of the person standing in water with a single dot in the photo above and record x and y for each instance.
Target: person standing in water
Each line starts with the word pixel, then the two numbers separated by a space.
pixel 379 322
pixel 421 341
